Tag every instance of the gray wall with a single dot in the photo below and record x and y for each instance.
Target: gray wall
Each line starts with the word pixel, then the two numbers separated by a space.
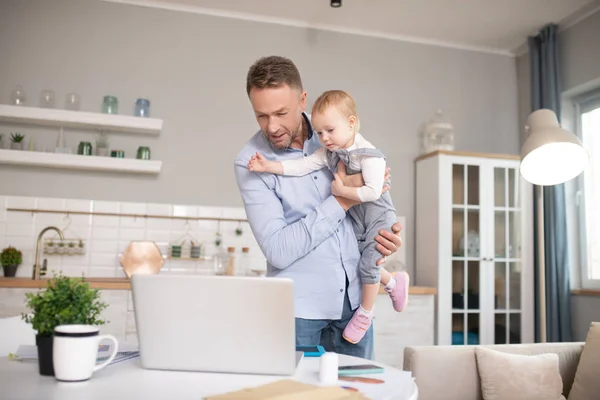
pixel 193 69
pixel 580 71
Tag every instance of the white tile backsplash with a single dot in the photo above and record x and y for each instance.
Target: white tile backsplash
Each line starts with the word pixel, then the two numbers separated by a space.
pixel 106 237
pixel 105 221
pixel 51 204
pixel 132 208
pixel 77 205
pixel 19 230
pixel 159 209
pixel 105 206
pixel 20 202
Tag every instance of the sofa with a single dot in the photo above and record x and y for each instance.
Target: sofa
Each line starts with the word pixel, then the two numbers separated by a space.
pixel 451 372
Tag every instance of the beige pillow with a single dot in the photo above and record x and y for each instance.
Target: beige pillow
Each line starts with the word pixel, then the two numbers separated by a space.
pixel 518 377
pixel 587 378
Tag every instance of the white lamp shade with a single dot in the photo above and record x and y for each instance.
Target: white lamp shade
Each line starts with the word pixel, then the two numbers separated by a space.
pixel 550 155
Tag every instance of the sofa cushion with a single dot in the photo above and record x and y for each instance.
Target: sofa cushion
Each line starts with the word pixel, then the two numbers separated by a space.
pixel 587 379
pixel 518 377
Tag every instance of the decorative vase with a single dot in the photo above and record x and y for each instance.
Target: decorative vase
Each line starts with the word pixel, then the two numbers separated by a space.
pixel 44 350
pixel 10 270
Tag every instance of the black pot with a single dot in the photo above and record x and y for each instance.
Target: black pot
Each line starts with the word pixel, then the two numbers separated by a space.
pixel 44 350
pixel 10 270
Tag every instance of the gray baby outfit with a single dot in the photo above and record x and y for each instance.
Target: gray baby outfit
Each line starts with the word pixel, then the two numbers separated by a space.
pixel 368 218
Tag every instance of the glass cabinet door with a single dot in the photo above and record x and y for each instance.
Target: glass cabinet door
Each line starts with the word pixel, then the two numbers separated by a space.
pixel 466 283
pixel 507 256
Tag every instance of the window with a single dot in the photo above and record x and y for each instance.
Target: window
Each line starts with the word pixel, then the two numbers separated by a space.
pixel 589 191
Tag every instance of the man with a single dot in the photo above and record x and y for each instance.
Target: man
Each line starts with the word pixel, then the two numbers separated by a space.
pixel 300 227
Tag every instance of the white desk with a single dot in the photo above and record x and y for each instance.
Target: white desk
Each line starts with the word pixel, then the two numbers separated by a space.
pixel 20 380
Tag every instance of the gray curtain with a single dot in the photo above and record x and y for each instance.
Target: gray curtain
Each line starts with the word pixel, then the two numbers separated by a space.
pixel 546 93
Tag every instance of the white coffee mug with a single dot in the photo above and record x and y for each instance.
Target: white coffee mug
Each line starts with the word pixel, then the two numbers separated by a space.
pixel 75 349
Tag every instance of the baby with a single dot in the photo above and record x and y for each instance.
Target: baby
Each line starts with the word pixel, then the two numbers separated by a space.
pixel 335 120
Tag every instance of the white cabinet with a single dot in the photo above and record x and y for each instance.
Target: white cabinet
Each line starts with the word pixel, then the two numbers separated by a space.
pixel 394 331
pixel 474 243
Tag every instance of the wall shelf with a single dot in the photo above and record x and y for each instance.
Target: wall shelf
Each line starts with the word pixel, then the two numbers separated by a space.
pixel 79 162
pixel 109 214
pixel 80 119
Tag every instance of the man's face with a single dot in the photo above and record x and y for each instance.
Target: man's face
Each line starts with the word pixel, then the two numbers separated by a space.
pixel 279 113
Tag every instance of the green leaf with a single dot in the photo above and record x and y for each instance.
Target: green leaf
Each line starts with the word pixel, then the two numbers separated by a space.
pixel 65 300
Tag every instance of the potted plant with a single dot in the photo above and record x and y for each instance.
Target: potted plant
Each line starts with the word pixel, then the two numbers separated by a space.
pixel 61 247
pixel 10 258
pixel 81 247
pixel 65 301
pixel 49 248
pixel 16 141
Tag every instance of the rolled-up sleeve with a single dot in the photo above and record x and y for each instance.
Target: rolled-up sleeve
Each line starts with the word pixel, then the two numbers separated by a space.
pixel 283 243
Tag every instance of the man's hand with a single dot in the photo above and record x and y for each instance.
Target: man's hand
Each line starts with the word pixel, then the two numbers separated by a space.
pixel 337 186
pixel 388 242
pixel 356 180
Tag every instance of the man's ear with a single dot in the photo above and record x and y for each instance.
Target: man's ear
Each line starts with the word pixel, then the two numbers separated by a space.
pixel 303 101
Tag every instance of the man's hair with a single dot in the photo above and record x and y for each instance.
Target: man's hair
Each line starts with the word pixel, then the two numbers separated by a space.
pixel 273 72
pixel 340 100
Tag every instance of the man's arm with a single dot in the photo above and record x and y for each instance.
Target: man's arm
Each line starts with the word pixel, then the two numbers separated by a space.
pixel 284 243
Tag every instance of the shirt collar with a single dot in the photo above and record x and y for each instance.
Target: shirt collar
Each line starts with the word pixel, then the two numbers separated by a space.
pixel 309 126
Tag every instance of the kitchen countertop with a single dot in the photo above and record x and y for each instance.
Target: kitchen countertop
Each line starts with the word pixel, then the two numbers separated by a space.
pixel 123 284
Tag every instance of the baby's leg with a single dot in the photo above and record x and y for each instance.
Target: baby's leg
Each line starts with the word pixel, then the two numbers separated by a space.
pixel 386 277
pixel 369 274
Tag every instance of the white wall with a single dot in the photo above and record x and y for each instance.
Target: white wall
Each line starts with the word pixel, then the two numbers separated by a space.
pixel 193 68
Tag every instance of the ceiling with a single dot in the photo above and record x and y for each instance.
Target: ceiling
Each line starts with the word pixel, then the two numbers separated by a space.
pixel 498 26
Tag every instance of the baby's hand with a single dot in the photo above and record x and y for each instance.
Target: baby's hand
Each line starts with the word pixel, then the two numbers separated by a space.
pixel 257 163
pixel 337 186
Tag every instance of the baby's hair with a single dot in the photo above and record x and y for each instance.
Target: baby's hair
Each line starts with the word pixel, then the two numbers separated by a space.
pixel 339 99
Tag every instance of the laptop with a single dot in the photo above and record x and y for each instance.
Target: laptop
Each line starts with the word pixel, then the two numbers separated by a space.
pixel 223 324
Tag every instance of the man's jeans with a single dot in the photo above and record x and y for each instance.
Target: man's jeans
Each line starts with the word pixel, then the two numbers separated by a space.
pixel 328 333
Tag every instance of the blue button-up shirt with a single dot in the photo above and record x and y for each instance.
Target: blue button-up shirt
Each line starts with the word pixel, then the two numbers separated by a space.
pixel 301 229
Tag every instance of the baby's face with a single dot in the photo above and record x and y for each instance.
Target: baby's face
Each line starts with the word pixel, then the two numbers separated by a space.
pixel 335 130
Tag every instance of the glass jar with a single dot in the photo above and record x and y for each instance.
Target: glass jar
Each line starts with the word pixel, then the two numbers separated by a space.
pixel 143 153
pixel 438 134
pixel 220 261
pixel 231 261
pixel 110 105
pixel 142 108
pixel 47 99
pixel 72 102
pixel 17 97
pixel 84 149
pixel 102 148
pixel 243 265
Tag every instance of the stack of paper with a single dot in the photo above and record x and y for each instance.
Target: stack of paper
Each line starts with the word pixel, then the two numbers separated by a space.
pixel 126 352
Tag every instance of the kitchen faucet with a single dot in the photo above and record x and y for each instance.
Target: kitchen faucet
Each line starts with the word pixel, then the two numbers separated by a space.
pixel 39 270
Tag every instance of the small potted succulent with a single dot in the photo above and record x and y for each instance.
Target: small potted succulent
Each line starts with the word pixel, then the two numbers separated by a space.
pixel 81 247
pixel 16 140
pixel 195 250
pixel 49 248
pixel 10 258
pixel 61 247
pixel 71 249
pixel 65 301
